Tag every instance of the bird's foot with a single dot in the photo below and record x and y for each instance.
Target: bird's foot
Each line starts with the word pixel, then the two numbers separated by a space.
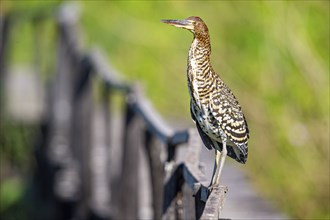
pixel 212 186
pixel 216 186
pixel 214 183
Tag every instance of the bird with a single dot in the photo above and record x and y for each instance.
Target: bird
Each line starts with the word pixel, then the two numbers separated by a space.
pixel 218 116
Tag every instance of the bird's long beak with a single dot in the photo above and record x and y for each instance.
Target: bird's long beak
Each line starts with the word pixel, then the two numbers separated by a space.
pixel 187 24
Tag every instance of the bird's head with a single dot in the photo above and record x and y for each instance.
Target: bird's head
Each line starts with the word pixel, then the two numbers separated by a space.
pixel 194 24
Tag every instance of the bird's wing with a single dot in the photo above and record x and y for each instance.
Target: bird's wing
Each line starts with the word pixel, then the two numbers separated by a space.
pixel 228 113
pixel 206 140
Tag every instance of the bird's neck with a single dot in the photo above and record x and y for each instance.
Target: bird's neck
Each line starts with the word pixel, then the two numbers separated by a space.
pixel 199 70
pixel 200 48
pixel 199 64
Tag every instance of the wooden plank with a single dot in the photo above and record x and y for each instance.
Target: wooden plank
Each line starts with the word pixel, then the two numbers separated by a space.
pixel 100 204
pixel 156 165
pixel 215 203
pixel 188 154
pixel 177 139
pixel 180 185
pixel 130 165
pixel 107 117
pixel 81 131
pixel 188 202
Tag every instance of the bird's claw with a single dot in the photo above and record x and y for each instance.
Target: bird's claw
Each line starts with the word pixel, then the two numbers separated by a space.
pixel 211 187
pixel 215 186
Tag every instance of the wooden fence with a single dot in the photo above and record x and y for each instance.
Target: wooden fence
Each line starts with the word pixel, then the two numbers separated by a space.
pixel 64 186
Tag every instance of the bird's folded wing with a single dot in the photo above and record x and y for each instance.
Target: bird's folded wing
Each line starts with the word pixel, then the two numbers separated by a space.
pixel 206 140
pixel 229 116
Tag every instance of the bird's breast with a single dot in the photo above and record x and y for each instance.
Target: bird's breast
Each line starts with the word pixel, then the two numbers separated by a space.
pixel 199 86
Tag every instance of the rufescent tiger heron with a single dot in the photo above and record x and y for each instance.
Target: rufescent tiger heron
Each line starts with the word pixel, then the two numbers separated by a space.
pixel 214 108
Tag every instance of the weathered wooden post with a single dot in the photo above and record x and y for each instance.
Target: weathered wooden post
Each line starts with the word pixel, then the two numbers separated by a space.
pixel 130 162
pixel 154 152
pixel 215 203
pixel 81 130
pixel 5 24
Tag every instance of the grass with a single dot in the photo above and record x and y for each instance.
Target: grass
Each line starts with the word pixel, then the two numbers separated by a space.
pixel 273 54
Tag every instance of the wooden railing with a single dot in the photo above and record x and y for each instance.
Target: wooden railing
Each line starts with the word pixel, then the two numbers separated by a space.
pixel 64 185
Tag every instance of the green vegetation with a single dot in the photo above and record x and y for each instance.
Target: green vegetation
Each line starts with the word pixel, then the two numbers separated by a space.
pixel 273 54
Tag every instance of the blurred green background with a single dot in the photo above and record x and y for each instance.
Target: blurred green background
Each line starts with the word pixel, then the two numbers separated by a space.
pixel 274 55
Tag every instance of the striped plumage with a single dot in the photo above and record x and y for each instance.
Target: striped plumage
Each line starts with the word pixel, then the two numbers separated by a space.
pixel 214 108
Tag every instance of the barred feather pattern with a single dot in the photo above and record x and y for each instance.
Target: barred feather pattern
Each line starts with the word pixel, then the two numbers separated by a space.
pixel 214 108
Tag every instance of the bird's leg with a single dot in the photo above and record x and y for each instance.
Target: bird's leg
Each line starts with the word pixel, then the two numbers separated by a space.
pixel 216 166
pixel 220 158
